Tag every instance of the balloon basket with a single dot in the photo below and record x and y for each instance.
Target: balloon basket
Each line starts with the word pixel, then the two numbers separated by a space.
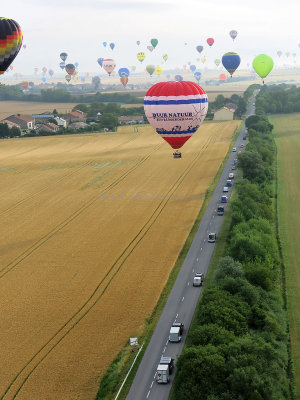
pixel 177 154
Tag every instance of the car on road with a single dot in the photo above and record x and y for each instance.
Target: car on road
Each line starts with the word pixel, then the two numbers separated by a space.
pixel 212 237
pixel 244 137
pixel 231 175
pixel 234 149
pixel 225 189
pixel 235 160
pixel 198 279
pixel 229 182
pixel 233 167
pixel 242 145
pixel 224 199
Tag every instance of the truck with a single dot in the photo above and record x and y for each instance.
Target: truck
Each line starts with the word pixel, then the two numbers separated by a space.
pixel 164 369
pixel 231 175
pixel 212 237
pixel 176 331
pixel 198 279
pixel 220 210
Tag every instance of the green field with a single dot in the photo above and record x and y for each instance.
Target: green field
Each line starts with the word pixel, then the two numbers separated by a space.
pixel 287 135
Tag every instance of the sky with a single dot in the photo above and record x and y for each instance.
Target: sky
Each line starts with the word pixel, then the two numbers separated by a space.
pixel 79 27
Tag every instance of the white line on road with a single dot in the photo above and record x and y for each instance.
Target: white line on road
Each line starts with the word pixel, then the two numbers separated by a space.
pixel 165 349
pixel 182 298
pixel 151 384
pixel 193 270
pixel 176 315
pixel 148 394
pixel 201 249
pixel 197 259
pixel 188 283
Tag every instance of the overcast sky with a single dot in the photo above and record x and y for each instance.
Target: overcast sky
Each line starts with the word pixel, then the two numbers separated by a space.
pixel 80 26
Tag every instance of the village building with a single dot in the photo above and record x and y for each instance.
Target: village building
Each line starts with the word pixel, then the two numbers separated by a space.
pixel 131 120
pixel 75 116
pixel 78 125
pixel 22 121
pixel 223 114
pixel 61 122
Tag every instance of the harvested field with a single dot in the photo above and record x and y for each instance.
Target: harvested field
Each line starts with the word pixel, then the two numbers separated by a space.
pixel 91 226
pixel 31 107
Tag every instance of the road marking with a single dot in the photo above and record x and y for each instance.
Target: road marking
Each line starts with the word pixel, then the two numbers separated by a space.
pixel 188 283
pixel 165 349
pixel 197 259
pixel 193 270
pixel 148 394
pixel 154 375
pixel 151 384
pixel 176 315
pixel 167 342
pixel 201 248
pixel 182 298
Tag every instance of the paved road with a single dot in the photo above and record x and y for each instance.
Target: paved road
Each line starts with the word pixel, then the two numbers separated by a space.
pixel 183 298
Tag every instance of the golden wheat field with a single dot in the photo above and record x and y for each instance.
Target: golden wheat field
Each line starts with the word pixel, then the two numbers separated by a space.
pixel 91 226
pixel 31 107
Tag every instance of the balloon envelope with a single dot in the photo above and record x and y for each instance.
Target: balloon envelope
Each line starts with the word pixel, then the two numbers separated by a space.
pixel 193 68
pixel 223 77
pixel 199 48
pixel 158 70
pixel 68 77
pixel 165 57
pixel 231 61
pixel 150 69
pixel 176 110
pixel 11 38
pixel 154 42
pixel 25 85
pixel 217 62
pixel 210 41
pixel 104 44
pixel 233 34
pixel 197 75
pixel 62 65
pixel 279 53
pixel 63 56
pixel 109 65
pixel 44 79
pixel 70 68
pixel 124 80
pixel 100 61
pixel 124 72
pixel 141 56
pixel 178 78
pixel 138 42
pixel 263 64
pixel 112 45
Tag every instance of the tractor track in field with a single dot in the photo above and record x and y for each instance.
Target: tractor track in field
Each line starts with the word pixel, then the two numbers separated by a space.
pixel 24 374
pixel 67 175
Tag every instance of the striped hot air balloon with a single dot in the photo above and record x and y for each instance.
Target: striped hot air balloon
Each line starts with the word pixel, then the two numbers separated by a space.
pixel 11 38
pixel 176 110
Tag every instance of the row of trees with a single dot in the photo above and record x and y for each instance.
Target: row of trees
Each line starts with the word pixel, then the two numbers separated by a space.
pixel 237 347
pixel 6 132
pixel 278 99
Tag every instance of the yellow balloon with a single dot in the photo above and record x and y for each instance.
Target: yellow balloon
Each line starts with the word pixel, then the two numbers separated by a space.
pixel 165 57
pixel 158 70
pixel 203 59
pixel 141 56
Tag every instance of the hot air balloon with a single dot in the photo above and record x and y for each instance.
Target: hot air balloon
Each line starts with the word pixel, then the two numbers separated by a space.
pixel 133 68
pixel 158 70
pixel 178 78
pixel 76 64
pixel 25 85
pixel 279 53
pixel 210 41
pixel 233 34
pixel 217 62
pixel 231 61
pixel 165 57
pixel 193 68
pixel 199 49
pixel 96 81
pixel 298 44
pixel 11 67
pixel 82 78
pixel 124 80
pixel 294 55
pixel 104 44
pixel 175 110
pixel 197 75
pixel 138 42
pixel 123 72
pixel 154 42
pixel 263 64
pixel 150 69
pixel 10 42
pixel 222 77
pixel 31 84
pixel 44 79
pixel 36 70
pixel 63 56
pixel 44 69
pixel 68 77
pixel 100 61
pixel 287 53
pixel 150 48
pixel 141 56
pixel 51 72
pixel 189 63
pixel 109 65
pixel 112 45
pixel 70 68
pixel 203 59
pixel 24 46
pixel 62 65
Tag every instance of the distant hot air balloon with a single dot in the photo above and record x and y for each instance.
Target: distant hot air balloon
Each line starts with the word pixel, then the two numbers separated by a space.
pixel 165 57
pixel 44 69
pixel 203 59
pixel 189 63
pixel 175 110
pixel 231 61
pixel 36 70
pixel 279 53
pixel 109 65
pixel 82 78
pixel 141 56
pixel 70 68
pixel 217 62
pixel 150 48
pixel 150 69
pixel 287 53
pixel 63 56
pixel 100 61
pixel 62 65
pixel 263 65
pixel 138 42
pixel 51 72
pixel 233 34
pixel 178 78
pixel 76 64
pixel 123 72
pixel 294 55
pixel 44 79
pixel 154 42
pixel 25 85
pixel 210 41
pixel 24 46
pixel 193 68
pixel 124 80
pixel 11 38
pixel 96 81
pixel 112 45
pixel 222 77
pixel 199 49
pixel 11 67
pixel 68 77
pixel 197 75
pixel 158 70
pixel 104 44
pixel 31 84
pixel 133 68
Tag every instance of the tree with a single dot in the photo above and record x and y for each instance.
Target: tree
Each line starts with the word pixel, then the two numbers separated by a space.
pixel 14 131
pixel 4 130
pixel 81 107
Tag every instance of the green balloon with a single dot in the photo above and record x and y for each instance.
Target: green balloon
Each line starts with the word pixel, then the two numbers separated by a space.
pixel 150 69
pixel 154 42
pixel 263 65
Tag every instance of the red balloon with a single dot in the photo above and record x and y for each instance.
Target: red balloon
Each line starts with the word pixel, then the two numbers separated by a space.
pixel 223 77
pixel 124 80
pixel 25 85
pixel 210 41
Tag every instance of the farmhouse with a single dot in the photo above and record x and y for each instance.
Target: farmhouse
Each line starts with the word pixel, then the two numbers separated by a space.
pixel 49 127
pixel 75 116
pixel 22 121
pixel 131 119
pixel 61 122
pixel 78 125
pixel 223 114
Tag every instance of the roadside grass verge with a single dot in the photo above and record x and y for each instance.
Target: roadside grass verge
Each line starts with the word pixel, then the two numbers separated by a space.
pixel 118 369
